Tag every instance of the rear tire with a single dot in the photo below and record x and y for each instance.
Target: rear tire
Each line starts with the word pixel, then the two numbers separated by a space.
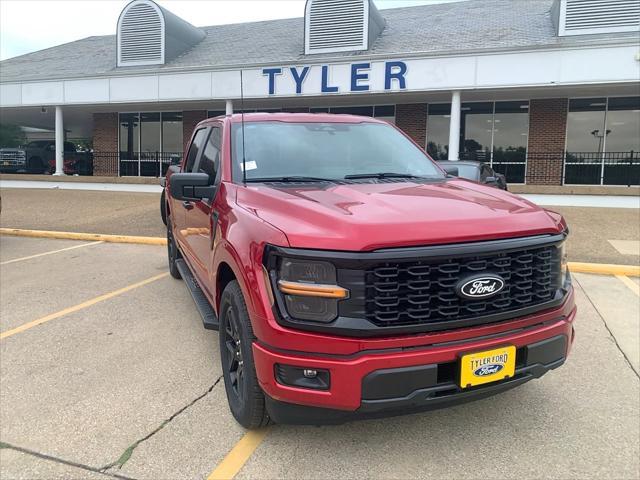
pixel 245 397
pixel 172 252
pixel 163 208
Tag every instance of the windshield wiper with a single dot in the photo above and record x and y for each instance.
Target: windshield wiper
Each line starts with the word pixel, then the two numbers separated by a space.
pixel 292 179
pixel 380 175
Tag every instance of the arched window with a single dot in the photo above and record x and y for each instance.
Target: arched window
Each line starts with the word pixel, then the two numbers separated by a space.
pixel 340 25
pixel 141 34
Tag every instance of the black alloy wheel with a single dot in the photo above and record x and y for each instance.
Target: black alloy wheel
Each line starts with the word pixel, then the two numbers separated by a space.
pixel 245 397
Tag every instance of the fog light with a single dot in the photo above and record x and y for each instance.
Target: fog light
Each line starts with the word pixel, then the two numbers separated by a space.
pixel 312 378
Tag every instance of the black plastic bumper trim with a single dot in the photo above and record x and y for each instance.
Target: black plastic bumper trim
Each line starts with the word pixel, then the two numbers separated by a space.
pixel 419 401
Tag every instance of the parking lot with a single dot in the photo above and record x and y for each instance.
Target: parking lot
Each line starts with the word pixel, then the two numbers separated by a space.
pixel 106 371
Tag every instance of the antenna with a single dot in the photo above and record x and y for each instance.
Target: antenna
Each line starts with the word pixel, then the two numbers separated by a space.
pixel 244 159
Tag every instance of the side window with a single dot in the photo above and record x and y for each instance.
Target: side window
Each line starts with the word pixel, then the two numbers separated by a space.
pixel 210 160
pixel 194 149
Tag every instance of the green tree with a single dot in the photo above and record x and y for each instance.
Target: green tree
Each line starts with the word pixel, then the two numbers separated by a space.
pixel 11 135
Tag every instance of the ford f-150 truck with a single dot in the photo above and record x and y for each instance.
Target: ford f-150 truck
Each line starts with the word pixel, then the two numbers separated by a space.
pixel 350 277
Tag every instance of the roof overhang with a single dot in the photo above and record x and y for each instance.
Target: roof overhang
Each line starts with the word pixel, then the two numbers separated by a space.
pixel 538 68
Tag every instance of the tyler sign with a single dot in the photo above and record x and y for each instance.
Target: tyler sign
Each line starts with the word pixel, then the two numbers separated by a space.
pixel 342 78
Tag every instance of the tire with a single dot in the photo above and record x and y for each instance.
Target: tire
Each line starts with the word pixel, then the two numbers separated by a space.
pixel 245 397
pixel 35 165
pixel 163 208
pixel 173 253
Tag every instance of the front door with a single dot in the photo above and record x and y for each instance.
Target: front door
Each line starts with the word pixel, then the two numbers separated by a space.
pixel 201 220
pixel 179 208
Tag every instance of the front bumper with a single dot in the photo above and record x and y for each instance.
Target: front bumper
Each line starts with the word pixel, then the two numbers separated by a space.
pixel 413 379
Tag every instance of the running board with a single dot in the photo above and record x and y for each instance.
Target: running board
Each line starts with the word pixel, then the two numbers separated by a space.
pixel 209 317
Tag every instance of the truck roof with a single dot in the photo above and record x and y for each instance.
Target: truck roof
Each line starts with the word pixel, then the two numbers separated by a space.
pixel 299 118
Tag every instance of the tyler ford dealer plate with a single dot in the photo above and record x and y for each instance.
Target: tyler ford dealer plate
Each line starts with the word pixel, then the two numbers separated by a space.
pixel 488 366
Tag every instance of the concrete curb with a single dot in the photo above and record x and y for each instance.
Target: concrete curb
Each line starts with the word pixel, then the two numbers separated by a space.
pixel 605 269
pixel 84 236
pixel 576 267
pixel 80 179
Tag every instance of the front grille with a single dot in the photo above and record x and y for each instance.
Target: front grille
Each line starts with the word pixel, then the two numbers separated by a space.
pixel 423 291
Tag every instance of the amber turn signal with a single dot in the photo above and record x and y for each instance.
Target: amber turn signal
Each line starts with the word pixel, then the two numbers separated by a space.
pixel 312 290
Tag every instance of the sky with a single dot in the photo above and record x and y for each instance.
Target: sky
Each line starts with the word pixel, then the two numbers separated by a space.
pixel 30 25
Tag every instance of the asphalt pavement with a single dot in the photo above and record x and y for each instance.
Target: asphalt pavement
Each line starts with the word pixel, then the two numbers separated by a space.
pixel 106 371
pixel 129 213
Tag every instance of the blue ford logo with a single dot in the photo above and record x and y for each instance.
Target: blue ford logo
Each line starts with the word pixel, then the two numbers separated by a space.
pixel 490 369
pixel 481 286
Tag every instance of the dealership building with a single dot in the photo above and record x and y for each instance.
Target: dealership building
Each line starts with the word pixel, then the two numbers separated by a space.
pixel 547 91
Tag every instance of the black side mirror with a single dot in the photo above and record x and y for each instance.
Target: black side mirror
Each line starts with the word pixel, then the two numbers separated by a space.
pixel 451 170
pixel 191 186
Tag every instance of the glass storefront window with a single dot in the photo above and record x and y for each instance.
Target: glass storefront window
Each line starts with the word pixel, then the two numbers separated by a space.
pixel 603 141
pixel 476 128
pixel 623 125
pixel 495 133
pixel 129 135
pixel 172 142
pixel 149 141
pixel 438 131
pixel 585 125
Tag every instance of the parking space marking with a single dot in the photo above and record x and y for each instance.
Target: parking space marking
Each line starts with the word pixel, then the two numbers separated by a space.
pixel 629 283
pixel 49 253
pixel 80 306
pixel 238 456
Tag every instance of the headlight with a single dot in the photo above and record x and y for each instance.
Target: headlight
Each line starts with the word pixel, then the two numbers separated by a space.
pixel 310 289
pixel 564 266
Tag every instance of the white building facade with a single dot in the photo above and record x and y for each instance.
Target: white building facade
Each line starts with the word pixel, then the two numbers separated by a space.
pixel 546 91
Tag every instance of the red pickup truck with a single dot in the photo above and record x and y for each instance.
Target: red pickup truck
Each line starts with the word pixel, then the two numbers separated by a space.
pixel 350 277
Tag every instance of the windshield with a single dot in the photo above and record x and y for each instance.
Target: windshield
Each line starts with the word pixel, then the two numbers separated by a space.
pixel 467 171
pixel 326 151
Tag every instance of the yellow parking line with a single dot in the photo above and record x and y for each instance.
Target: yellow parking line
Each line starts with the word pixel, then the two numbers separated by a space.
pixel 238 456
pixel 605 269
pixel 629 283
pixel 49 253
pixel 80 306
pixel 84 236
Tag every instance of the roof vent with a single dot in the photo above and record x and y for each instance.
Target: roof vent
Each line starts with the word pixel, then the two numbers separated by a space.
pixel 582 17
pixel 151 35
pixel 340 25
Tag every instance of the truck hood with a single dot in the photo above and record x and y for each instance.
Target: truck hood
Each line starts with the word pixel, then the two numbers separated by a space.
pixel 370 216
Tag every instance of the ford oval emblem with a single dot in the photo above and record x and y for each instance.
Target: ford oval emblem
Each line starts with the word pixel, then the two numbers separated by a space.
pixel 481 286
pixel 489 369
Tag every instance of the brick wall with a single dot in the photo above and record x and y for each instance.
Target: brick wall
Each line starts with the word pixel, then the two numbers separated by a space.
pixel 190 118
pixel 547 133
pixel 411 118
pixel 105 144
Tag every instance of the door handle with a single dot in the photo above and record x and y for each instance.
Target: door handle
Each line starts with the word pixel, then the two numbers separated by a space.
pixel 188 205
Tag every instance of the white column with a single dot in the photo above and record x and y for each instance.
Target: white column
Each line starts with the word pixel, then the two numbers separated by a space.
pixel 454 127
pixel 59 142
pixel 229 107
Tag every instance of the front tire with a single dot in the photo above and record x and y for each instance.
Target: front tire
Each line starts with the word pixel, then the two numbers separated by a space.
pixel 245 397
pixel 172 252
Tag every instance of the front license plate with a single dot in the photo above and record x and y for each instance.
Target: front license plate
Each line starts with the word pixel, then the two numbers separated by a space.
pixel 488 366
